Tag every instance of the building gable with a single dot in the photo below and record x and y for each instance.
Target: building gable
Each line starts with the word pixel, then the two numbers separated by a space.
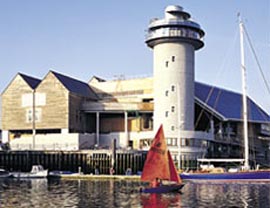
pixel 32 82
pixel 75 86
pixel 17 99
pixel 96 79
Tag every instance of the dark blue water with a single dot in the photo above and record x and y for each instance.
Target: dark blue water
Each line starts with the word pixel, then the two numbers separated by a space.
pixel 116 193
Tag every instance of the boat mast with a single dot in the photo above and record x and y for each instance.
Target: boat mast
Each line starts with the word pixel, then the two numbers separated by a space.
pixel 34 120
pixel 244 91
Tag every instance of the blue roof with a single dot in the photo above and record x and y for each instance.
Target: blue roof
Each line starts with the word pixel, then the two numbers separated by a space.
pixel 31 81
pixel 228 104
pixel 76 86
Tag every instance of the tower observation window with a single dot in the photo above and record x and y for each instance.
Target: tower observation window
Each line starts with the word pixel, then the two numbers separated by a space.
pixel 173 58
pixel 167 63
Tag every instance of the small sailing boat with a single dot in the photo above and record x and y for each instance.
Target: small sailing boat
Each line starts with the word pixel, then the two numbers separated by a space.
pixel 159 165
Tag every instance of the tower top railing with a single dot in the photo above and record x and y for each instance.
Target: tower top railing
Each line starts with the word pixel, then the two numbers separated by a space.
pixel 158 23
pixel 174 27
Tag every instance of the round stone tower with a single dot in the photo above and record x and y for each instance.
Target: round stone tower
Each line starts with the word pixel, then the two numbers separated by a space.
pixel 174 40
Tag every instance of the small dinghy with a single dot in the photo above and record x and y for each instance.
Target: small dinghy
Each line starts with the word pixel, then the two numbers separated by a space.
pixel 160 166
pixel 36 172
pixel 4 173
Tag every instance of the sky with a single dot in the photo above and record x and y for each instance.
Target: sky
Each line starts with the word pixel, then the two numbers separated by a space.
pixel 88 38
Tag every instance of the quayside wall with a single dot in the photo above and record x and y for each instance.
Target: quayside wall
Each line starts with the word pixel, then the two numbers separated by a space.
pixel 86 161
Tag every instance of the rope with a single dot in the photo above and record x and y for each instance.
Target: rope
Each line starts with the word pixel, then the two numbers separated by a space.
pixel 259 66
pixel 221 69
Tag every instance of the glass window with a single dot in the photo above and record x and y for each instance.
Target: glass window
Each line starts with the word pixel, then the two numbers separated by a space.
pixel 27 100
pixel 172 128
pixel 166 113
pixel 191 142
pixel 204 144
pixel 173 88
pixel 173 58
pixel 173 108
pixel 183 142
pixel 167 63
pixel 146 122
pixel 166 92
pixel 29 115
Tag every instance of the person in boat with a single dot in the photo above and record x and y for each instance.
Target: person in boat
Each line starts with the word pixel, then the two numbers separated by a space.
pixel 155 183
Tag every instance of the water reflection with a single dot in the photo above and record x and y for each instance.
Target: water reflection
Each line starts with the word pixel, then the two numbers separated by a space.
pixel 109 193
pixel 227 195
pixel 12 196
pixel 161 200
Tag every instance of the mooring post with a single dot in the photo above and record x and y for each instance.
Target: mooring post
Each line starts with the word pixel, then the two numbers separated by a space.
pixel 113 153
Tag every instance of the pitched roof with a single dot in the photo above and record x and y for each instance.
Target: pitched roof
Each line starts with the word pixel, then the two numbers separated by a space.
pixel 76 86
pixel 31 81
pixel 98 79
pixel 228 104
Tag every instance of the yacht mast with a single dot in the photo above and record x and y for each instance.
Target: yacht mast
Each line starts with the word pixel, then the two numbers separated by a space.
pixel 244 91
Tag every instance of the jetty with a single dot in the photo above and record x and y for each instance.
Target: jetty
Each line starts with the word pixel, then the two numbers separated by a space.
pixel 100 177
pixel 87 161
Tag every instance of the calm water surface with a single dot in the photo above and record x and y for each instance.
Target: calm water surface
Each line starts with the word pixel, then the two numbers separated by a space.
pixel 110 193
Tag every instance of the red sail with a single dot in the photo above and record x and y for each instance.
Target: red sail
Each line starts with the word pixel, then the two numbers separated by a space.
pixel 174 175
pixel 157 164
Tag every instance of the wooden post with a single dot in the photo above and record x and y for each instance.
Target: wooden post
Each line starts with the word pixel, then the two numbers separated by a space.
pixel 113 153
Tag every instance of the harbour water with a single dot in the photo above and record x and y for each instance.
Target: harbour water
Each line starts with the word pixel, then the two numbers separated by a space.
pixel 119 193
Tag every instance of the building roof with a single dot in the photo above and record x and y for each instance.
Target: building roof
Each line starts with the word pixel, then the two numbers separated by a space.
pixel 76 86
pixel 98 79
pixel 228 104
pixel 31 81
